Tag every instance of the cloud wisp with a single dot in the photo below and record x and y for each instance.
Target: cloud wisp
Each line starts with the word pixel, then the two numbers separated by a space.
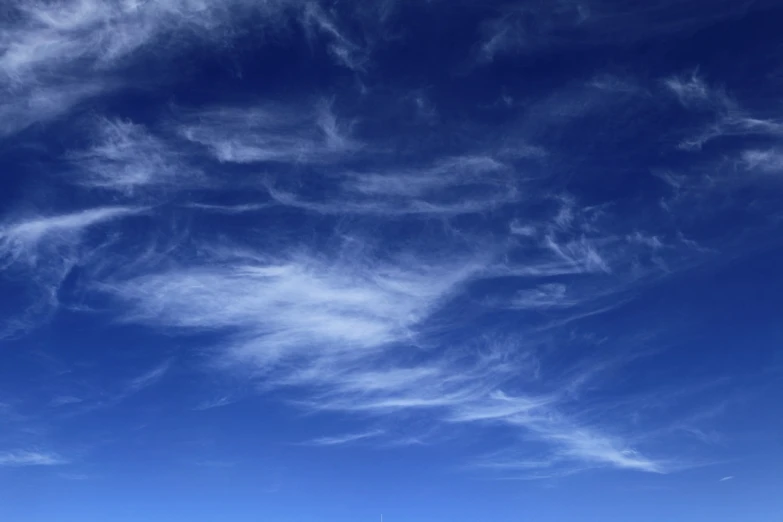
pixel 348 438
pixel 21 240
pixel 270 133
pixel 45 249
pixel 56 55
pixel 53 55
pixel 126 157
pixel 447 187
pixel 728 117
pixel 23 458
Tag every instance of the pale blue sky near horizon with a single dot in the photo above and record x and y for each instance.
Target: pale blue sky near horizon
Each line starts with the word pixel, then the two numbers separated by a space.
pixel 301 260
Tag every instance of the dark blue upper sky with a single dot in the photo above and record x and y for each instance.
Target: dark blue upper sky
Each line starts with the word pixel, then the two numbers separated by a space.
pixel 466 260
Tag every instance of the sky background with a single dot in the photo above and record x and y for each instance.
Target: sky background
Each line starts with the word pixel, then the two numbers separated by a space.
pixel 301 261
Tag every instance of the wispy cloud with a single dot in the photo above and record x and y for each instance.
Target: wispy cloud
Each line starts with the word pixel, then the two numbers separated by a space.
pixel 148 378
pixel 727 117
pixel 22 458
pixel 230 209
pixel 544 296
pixel 126 157
pixel 44 50
pixel 43 103
pixel 54 55
pixel 347 438
pixel 769 161
pixel 45 249
pixel 693 92
pixel 340 305
pixel 214 403
pixel 21 239
pixel 450 186
pixel 271 133
pixel 523 28
pixel 342 48
pixel 724 479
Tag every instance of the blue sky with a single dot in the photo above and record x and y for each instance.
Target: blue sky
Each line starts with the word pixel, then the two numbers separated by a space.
pixel 301 261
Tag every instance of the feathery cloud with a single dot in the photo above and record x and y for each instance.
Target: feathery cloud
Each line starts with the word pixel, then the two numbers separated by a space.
pixel 126 157
pixel 21 239
pixel 45 249
pixel 348 438
pixel 346 332
pixel 727 117
pixel 765 161
pixel 270 133
pixel 148 378
pixel 22 458
pixel 342 48
pixel 450 186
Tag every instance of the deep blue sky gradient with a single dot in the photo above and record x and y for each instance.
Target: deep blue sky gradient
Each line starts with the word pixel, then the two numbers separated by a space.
pixel 301 261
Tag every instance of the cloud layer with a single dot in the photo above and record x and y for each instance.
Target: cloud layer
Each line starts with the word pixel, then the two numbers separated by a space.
pixel 405 242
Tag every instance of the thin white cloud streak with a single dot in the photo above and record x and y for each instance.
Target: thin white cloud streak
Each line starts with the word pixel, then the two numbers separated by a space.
pixel 230 209
pixel 574 446
pixel 342 48
pixel 450 186
pixel 347 438
pixel 500 36
pixel 550 295
pixel 21 240
pixel 724 479
pixel 24 458
pixel 498 406
pixel 281 134
pixel 728 117
pixel 214 403
pixel 384 208
pixel 126 157
pixel 416 183
pixel 588 447
pixel 147 379
pixel 575 449
pixel 580 253
pixel 736 124
pixel 123 390
pixel 271 133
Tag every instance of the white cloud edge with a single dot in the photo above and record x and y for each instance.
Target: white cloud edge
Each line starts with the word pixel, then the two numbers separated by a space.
pixel 25 458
